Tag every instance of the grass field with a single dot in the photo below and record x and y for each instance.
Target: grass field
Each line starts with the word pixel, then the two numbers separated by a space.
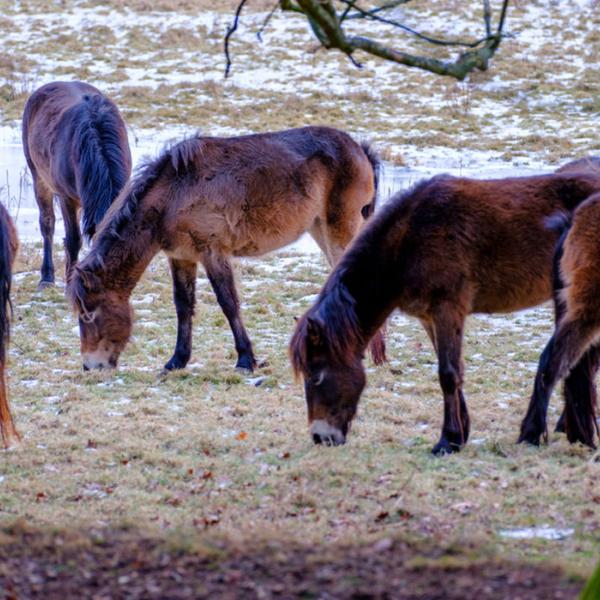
pixel 213 451
pixel 127 476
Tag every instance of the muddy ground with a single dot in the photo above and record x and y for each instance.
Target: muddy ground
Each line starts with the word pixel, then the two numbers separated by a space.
pixel 121 564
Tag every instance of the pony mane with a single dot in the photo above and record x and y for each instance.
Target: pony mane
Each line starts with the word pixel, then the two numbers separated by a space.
pixel 6 258
pixel 339 326
pixel 179 157
pixel 100 156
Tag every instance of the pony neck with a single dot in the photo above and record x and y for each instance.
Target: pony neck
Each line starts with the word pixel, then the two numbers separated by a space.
pixel 121 260
pixel 371 281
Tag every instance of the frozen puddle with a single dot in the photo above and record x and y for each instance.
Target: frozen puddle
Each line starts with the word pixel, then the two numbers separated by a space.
pixel 543 532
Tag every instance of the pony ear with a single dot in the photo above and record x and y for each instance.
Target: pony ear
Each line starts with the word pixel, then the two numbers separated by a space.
pixel 315 330
pixel 89 280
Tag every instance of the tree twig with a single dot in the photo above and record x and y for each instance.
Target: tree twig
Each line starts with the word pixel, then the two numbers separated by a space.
pixel 383 7
pixel 230 31
pixel 436 41
pixel 266 21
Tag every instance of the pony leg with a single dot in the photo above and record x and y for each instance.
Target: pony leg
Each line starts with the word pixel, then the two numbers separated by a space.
pixel 447 333
pixel 184 296
pixel 43 197
pixel 7 426
pixel 220 275
pixel 579 416
pixel 560 355
pixel 72 241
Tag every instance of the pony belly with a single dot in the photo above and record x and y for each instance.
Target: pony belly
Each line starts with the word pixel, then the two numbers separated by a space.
pixel 515 299
pixel 262 242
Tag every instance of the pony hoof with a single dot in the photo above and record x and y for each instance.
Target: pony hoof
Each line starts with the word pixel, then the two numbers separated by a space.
pixel 176 362
pixel 444 447
pixel 530 438
pixel 245 365
pixel 42 285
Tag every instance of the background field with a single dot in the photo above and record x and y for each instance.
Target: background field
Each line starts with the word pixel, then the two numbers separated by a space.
pixel 211 463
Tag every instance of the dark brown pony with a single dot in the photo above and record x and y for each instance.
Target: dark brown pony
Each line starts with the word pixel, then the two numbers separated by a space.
pixel 439 252
pixel 76 147
pixel 8 250
pixel 579 385
pixel 574 349
pixel 206 200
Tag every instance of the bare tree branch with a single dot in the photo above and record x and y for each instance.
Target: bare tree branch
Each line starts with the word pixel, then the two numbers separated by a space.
pixel 487 17
pixel 230 31
pixel 327 25
pixel 378 9
pixel 266 21
pixel 369 15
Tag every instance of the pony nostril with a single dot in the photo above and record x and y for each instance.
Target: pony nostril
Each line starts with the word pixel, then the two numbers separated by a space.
pixel 317 438
pixel 85 367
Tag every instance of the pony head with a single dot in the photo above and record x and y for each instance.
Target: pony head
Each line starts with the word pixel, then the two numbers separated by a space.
pixel 105 319
pixel 329 360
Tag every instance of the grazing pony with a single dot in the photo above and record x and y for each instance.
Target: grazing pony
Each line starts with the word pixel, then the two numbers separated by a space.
pixel 445 249
pixel 574 349
pixel 8 249
pixel 76 147
pixel 208 199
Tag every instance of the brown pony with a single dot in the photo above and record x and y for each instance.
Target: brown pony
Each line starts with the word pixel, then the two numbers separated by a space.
pixel 441 251
pixel 76 147
pixel 574 349
pixel 579 384
pixel 9 244
pixel 206 200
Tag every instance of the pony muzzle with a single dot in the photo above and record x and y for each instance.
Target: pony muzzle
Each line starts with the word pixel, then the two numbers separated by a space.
pixel 324 433
pixel 98 360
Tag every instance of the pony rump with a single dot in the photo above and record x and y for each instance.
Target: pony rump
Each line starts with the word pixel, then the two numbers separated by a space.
pixel 375 161
pixel 332 325
pixel 99 155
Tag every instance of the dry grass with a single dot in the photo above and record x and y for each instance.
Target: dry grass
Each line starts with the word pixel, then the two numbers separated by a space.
pixel 207 448
pixel 546 93
pixel 211 449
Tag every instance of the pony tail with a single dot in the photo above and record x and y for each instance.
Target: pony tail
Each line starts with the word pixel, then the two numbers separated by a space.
pixel 6 260
pixel 375 161
pixel 103 165
pixel 7 427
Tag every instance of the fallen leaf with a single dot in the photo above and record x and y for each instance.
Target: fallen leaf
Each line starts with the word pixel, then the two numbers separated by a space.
pixel 241 436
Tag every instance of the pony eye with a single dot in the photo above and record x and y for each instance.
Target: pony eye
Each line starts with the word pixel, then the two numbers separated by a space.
pixel 318 378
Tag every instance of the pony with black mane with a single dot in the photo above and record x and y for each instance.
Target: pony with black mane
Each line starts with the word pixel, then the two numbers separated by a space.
pixel 209 199
pixel 445 249
pixel 76 147
pixel 8 249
